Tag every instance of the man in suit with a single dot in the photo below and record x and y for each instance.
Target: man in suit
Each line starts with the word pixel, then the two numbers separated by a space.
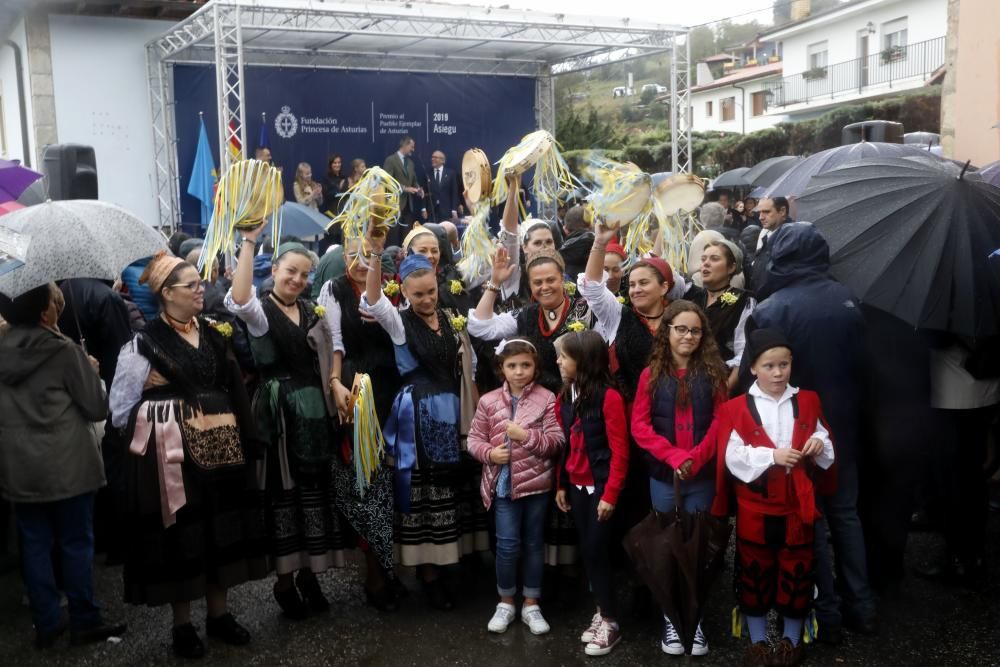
pixel 400 166
pixel 444 200
pixel 773 214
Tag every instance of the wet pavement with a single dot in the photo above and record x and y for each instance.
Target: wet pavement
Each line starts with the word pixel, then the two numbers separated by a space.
pixel 925 624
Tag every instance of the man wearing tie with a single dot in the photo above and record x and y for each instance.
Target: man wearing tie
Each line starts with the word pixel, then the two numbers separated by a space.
pixel 773 214
pixel 445 203
pixel 400 166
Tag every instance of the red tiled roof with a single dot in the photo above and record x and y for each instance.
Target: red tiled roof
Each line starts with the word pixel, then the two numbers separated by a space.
pixel 744 74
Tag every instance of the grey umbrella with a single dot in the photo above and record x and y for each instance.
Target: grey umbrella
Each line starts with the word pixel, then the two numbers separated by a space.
pixel 795 181
pixel 70 239
pixel 734 178
pixel 766 172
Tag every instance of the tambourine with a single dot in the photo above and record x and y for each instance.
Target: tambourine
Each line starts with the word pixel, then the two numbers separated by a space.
pixel 249 195
pixel 622 194
pixel 679 192
pixel 371 203
pixel 526 154
pixel 552 180
pixel 476 175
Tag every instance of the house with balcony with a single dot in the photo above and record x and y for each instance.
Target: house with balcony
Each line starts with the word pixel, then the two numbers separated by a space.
pixel 858 50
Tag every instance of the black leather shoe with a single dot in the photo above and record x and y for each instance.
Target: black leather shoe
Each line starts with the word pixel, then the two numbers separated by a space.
pixel 383 599
pixel 44 640
pixel 225 628
pixel 862 626
pixel 187 643
pixel 438 596
pixel 308 586
pixel 97 633
pixel 291 604
pixel 829 634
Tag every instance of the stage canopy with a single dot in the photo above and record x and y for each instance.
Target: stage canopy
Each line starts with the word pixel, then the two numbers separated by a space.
pixel 398 37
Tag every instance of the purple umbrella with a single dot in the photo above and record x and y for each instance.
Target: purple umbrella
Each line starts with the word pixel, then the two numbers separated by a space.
pixel 14 179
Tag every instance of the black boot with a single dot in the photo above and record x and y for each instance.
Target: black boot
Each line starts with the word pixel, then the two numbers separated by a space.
pixel 187 643
pixel 226 629
pixel 308 586
pixel 290 602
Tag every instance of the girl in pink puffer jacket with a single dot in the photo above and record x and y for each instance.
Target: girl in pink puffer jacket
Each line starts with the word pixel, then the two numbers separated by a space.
pixel 516 436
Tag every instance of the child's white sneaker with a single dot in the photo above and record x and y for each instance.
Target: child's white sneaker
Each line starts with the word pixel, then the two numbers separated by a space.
pixel 671 641
pixel 532 617
pixel 502 617
pixel 587 635
pixel 700 644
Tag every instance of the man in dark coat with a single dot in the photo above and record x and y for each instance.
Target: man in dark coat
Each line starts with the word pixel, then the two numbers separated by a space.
pixel 445 201
pixel 823 322
pixel 104 324
pixel 400 166
pixel 773 214
pixel 579 240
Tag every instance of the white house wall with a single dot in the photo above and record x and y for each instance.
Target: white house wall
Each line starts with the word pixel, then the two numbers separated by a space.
pixel 704 123
pixel 8 88
pixel 99 76
pixel 926 19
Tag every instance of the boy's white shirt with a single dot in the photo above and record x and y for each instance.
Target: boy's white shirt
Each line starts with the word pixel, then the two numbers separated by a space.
pixel 747 463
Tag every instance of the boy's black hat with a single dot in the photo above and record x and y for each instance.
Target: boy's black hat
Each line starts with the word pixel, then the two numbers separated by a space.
pixel 762 340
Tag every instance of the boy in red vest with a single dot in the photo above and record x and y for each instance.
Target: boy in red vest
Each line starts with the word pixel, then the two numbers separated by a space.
pixel 777 448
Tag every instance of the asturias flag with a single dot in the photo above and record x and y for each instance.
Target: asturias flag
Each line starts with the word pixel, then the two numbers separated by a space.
pixel 203 177
pixel 264 140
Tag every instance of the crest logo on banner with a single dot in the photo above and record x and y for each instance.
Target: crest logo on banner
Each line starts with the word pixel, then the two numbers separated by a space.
pixel 285 123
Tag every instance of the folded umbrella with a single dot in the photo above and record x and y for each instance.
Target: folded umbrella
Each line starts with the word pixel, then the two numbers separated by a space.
pixel 14 179
pixel 679 555
pixel 794 182
pixel 912 237
pixel 70 239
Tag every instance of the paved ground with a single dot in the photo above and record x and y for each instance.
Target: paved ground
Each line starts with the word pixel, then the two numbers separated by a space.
pixel 927 624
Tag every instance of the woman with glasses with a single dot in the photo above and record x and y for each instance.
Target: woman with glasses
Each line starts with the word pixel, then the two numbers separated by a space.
pixel 674 421
pixel 290 337
pixel 194 531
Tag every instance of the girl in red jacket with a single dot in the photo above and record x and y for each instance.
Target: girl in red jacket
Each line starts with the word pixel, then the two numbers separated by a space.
pixel 516 436
pixel 592 474
pixel 674 422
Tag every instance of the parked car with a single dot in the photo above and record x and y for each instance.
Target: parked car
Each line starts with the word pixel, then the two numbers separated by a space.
pixel 619 91
pixel 655 86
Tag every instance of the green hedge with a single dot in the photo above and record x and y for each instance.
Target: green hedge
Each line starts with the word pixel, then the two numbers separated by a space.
pixel 715 152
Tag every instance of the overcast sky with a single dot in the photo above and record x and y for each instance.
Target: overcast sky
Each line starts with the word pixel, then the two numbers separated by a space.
pixel 677 12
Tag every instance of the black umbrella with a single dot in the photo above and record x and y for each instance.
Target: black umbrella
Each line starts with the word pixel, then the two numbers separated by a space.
pixel 679 555
pixel 794 182
pixel 734 178
pixel 912 237
pixel 767 172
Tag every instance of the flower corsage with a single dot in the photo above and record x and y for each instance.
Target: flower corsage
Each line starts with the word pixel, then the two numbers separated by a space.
pixel 319 310
pixel 570 287
pixel 458 322
pixel 225 329
pixel 391 288
pixel 576 325
pixel 456 287
pixel 728 298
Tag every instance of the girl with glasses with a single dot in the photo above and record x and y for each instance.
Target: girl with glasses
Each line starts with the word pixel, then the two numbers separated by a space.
pixel 674 421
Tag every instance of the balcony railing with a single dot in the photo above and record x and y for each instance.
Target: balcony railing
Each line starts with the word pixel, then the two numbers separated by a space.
pixel 881 69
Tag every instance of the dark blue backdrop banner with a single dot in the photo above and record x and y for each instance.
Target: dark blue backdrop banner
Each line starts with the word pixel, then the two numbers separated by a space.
pixel 312 114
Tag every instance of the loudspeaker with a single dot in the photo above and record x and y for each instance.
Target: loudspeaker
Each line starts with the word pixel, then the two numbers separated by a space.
pixel 71 170
pixel 872 130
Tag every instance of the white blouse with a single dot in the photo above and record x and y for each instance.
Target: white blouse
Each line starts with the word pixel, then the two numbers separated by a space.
pixel 746 462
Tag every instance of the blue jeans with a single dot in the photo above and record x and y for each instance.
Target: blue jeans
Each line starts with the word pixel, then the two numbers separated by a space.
pixel 841 515
pixel 696 495
pixel 521 534
pixel 69 525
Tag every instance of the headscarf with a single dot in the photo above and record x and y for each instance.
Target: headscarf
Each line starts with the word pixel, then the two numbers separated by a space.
pixel 417 230
pixel 413 263
pixel 698 246
pixel 615 248
pixel 158 270
pixel 660 266
pixel 332 266
pixel 287 247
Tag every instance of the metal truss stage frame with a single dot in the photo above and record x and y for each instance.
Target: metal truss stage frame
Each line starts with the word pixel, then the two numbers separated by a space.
pixel 394 36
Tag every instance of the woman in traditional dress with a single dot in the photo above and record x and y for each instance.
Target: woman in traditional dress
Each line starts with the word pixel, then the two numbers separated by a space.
pixel 727 307
pixel 195 531
pixel 434 357
pixel 362 346
pixel 288 337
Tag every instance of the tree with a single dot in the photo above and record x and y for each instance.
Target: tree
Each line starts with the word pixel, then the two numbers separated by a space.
pixel 648 95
